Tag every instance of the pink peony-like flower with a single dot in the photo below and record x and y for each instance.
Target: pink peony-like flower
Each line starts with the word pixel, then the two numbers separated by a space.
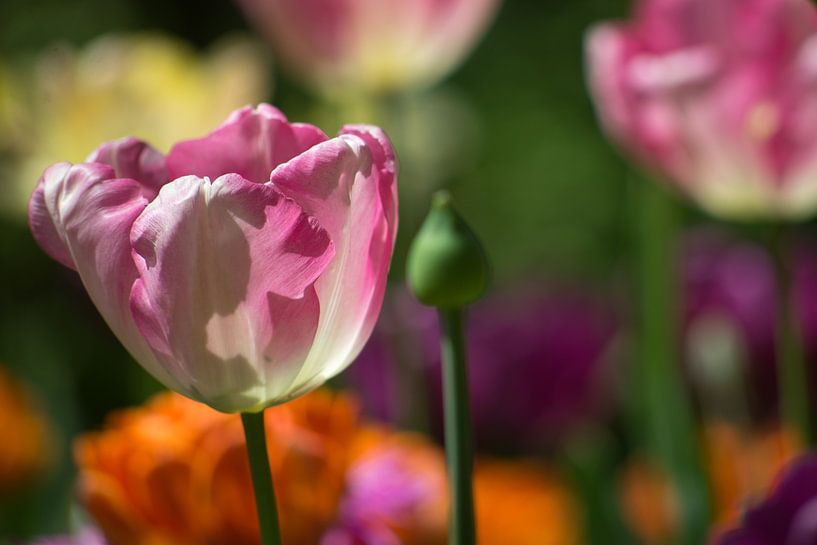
pixel 719 96
pixel 395 493
pixel 378 45
pixel 243 269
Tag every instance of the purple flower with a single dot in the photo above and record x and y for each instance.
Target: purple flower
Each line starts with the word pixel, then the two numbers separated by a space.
pixel 732 282
pixel 535 363
pixel 390 372
pixel 788 516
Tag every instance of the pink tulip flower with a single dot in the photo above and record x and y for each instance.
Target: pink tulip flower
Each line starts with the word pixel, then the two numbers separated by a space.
pixel 374 45
pixel 243 269
pixel 720 96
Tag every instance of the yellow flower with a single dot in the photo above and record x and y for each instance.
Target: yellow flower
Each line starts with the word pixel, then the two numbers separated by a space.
pixel 149 85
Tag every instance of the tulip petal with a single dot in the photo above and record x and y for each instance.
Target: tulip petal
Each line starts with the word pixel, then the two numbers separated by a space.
pixel 128 157
pixel 42 225
pixel 636 106
pixel 251 143
pixel 225 293
pixel 82 216
pixel 348 184
pixel 134 159
pixel 374 45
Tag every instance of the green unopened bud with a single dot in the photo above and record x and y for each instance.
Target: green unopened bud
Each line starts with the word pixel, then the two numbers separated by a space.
pixel 447 267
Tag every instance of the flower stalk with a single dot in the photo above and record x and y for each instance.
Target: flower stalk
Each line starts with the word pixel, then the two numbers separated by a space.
pixel 458 436
pixel 447 269
pixel 662 416
pixel 265 504
pixel 791 365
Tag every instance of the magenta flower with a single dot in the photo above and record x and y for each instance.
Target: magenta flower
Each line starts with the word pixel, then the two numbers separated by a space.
pixel 88 536
pixel 243 269
pixel 378 45
pixel 394 487
pixel 719 96
pixel 729 290
pixel 552 349
pixel 375 534
pixel 787 516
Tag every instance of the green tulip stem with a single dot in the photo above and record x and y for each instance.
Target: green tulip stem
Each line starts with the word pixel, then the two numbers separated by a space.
pixel 265 504
pixel 662 413
pixel 458 444
pixel 791 365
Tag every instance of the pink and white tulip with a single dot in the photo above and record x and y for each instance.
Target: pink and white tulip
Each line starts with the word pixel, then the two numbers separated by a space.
pixel 244 268
pixel 375 45
pixel 720 96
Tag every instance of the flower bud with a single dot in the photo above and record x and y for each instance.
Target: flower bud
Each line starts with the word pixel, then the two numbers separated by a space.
pixel 447 267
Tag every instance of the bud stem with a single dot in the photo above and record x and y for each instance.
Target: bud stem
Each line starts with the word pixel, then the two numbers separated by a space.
pixel 265 505
pixel 458 443
pixel 791 366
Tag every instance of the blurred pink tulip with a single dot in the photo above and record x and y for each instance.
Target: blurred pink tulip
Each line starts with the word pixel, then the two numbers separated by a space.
pixel 718 95
pixel 374 45
pixel 246 267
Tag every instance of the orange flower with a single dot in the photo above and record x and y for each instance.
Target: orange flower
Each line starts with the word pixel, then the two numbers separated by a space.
pixel 27 455
pixel 741 468
pixel 648 502
pixel 523 504
pixel 175 472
